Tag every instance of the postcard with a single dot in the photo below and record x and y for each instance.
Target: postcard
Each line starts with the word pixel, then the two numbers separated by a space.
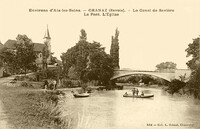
pixel 140 36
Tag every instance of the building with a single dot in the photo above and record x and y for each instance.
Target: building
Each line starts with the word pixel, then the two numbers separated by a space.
pixel 38 48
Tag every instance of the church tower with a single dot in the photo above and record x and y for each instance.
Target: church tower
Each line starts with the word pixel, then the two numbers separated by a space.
pixel 47 41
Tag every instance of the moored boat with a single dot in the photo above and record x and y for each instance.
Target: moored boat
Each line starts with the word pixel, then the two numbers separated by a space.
pixel 138 96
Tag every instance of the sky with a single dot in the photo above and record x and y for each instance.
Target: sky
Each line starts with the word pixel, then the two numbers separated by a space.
pixel 145 40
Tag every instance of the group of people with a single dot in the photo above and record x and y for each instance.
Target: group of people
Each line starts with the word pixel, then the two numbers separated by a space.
pixel 50 84
pixel 135 92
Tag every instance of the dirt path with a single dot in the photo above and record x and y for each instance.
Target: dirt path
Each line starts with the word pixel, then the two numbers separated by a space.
pixel 3 118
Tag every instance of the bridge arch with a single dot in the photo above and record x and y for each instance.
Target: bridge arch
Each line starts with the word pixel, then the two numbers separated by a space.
pixel 144 73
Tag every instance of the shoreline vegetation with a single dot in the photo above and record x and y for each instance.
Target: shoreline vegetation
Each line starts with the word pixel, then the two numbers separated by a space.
pixel 31 108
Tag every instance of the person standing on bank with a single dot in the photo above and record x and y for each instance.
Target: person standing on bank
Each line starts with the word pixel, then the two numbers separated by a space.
pixel 46 84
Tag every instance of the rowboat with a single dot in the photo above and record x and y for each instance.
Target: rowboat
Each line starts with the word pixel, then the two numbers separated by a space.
pixel 80 95
pixel 138 96
pixel 77 95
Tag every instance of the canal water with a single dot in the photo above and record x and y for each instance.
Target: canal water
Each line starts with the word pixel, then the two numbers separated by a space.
pixel 110 110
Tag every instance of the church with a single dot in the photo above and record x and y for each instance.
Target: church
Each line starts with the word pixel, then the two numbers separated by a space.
pixel 38 47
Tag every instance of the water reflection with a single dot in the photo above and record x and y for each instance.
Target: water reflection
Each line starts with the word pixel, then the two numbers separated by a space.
pixel 109 110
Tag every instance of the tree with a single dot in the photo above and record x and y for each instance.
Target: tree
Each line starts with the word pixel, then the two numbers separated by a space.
pixel 9 60
pixel 194 64
pixel 77 56
pixel 25 54
pixel 99 67
pixel 193 50
pixel 194 83
pixel 146 79
pixel 88 61
pixel 166 66
pixel 114 49
pixel 175 86
pixel 134 79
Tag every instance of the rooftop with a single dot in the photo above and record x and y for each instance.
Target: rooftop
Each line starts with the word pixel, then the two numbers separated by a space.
pixel 11 45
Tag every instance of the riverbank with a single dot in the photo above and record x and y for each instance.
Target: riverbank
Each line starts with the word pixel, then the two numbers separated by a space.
pixel 30 108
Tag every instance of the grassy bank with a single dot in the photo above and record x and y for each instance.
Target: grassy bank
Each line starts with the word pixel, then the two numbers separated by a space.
pixel 31 108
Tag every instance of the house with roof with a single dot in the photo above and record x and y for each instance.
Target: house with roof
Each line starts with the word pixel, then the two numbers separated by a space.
pixel 38 48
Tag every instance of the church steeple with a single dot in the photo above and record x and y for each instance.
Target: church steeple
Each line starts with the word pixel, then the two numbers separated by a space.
pixel 47 35
pixel 47 41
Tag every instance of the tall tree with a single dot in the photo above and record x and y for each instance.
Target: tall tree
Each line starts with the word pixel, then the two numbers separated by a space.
pixel 114 49
pixel 25 54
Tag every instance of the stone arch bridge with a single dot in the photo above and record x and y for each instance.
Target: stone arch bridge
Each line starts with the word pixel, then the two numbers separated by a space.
pixel 164 75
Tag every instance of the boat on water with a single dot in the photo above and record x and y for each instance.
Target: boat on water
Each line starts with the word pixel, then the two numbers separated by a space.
pixel 80 95
pixel 138 96
pixel 77 95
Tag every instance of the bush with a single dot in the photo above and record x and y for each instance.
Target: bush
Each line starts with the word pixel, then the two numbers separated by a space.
pixel 175 86
pixel 21 78
pixel 32 78
pixel 33 110
pixel 26 84
pixel 66 83
pixel 5 74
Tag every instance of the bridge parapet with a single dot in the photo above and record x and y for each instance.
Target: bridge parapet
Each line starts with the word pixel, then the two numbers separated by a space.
pixel 144 71
pixel 167 75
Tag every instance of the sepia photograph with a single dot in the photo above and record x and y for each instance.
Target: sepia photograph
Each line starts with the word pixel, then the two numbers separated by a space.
pixel 74 64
